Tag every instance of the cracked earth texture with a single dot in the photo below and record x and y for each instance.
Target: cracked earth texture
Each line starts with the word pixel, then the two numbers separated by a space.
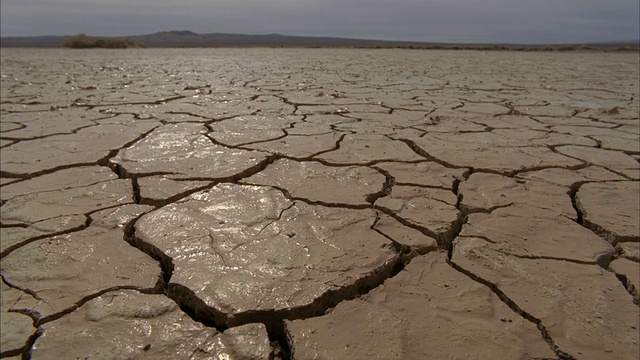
pixel 319 204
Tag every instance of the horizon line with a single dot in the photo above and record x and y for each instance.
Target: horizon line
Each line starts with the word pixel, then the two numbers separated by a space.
pixel 189 32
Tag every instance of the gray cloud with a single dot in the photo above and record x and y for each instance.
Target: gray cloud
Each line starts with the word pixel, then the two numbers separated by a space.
pixel 515 21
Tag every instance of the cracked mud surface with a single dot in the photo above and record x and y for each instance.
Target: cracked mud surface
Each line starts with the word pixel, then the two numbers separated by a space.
pixel 312 204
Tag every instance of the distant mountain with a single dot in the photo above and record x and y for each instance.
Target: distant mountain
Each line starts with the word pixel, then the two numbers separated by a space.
pixel 186 38
pixel 191 39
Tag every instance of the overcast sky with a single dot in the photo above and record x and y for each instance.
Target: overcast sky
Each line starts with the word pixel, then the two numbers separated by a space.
pixel 503 21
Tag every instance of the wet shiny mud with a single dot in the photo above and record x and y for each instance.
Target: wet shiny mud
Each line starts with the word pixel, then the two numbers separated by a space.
pixel 312 204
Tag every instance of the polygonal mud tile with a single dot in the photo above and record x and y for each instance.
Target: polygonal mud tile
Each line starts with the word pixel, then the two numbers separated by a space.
pixel 431 209
pixel 87 146
pixel 244 252
pixel 35 207
pixel 13 237
pixel 16 330
pixel 611 209
pixel 630 250
pixel 49 123
pixel 65 269
pixel 160 189
pixel 566 177
pixel 609 159
pixel 364 149
pixel 124 325
pixel 405 235
pixel 243 342
pixel 487 155
pixel 118 217
pixel 629 273
pixel 65 179
pixel 550 237
pixel 485 192
pixel 424 174
pixel 299 146
pixel 184 151
pixel 402 319
pixel 583 307
pixel 249 129
pixel 312 181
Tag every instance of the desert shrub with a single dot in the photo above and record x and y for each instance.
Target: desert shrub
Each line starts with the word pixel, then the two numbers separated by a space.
pixel 82 41
pixel 79 41
pixel 120 43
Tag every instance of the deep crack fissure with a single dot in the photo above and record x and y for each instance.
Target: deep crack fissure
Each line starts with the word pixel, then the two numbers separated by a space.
pixel 628 285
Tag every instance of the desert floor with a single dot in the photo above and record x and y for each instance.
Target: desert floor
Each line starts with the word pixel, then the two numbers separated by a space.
pixel 319 204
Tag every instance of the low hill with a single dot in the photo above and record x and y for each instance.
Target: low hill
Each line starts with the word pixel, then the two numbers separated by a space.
pixel 185 38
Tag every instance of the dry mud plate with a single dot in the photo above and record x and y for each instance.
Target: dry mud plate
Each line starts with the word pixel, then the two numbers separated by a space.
pixel 319 204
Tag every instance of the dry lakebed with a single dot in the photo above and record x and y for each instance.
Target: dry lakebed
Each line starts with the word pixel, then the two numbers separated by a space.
pixel 319 204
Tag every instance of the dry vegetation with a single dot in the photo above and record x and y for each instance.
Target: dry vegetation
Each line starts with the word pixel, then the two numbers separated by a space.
pixel 82 41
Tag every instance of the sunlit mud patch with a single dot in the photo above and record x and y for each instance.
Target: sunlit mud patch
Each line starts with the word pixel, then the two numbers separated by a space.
pixel 245 253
